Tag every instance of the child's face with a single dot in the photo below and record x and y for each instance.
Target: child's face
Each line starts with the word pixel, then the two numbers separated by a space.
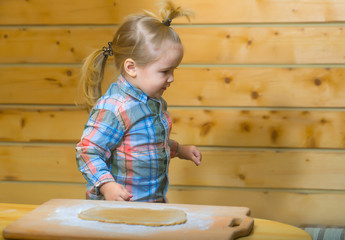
pixel 154 78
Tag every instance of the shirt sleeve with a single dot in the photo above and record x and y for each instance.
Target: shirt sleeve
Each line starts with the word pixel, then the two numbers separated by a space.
pixel 174 147
pixel 102 133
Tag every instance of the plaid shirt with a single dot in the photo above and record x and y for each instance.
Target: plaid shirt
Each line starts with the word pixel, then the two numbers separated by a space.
pixel 126 140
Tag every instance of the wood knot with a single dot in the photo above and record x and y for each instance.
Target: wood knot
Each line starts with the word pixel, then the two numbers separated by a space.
pixel 323 121
pixel 274 135
pixel 10 178
pixel 317 82
pixel 305 113
pixel 23 122
pixel 175 120
pixel 245 127
pixel 206 128
pixel 255 95
pixel 227 80
pixel 242 177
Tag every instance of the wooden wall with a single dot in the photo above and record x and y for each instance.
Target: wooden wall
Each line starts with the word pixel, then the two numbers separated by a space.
pixel 260 90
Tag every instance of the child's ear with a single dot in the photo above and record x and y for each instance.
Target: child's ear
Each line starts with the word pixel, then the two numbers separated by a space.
pixel 130 67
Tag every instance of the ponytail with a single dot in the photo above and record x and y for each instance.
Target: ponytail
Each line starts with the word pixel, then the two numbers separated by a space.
pixel 92 75
pixel 169 11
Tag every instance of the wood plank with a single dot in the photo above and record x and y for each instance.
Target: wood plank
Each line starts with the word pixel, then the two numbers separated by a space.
pixel 12 212
pixel 38 85
pixel 39 192
pixel 285 87
pixel 259 128
pixel 214 86
pixel 247 168
pixel 264 45
pixel 51 45
pixel 219 45
pixel 39 163
pixel 44 84
pixel 218 11
pixel 7 217
pixel 304 169
pixel 37 124
pixel 210 127
pixel 285 206
pixel 296 208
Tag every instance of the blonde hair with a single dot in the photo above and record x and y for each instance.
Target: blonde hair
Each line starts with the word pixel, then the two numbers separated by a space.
pixel 138 37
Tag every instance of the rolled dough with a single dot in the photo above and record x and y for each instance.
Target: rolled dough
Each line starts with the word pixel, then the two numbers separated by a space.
pixel 135 216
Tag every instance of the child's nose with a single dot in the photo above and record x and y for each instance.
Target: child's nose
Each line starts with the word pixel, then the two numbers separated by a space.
pixel 171 79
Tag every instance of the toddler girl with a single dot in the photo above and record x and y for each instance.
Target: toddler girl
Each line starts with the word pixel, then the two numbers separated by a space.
pixel 125 148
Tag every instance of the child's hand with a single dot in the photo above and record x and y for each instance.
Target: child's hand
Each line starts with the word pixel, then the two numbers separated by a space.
pixel 190 153
pixel 115 192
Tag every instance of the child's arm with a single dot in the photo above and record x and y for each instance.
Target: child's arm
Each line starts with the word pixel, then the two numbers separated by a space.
pixel 101 134
pixel 189 153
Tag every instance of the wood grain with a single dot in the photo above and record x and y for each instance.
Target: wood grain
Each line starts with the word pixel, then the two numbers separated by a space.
pixel 284 169
pixel 263 45
pixel 257 86
pixel 283 206
pixel 193 86
pixel 21 12
pixel 39 85
pixel 62 125
pixel 215 127
pixel 10 212
pixel 203 45
pixel 39 192
pixel 259 128
pixel 43 163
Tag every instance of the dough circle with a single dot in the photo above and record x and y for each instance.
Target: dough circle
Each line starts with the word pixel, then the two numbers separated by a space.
pixel 135 216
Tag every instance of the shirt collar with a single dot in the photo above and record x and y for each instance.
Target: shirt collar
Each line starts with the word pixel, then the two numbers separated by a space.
pixel 128 88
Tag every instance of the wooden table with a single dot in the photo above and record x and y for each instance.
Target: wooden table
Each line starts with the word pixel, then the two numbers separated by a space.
pixel 263 229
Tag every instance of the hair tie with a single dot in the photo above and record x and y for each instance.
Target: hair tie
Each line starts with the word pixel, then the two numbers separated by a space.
pixel 167 22
pixel 108 51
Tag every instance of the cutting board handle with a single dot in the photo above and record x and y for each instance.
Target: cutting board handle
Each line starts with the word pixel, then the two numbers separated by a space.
pixel 242 226
pixel 237 227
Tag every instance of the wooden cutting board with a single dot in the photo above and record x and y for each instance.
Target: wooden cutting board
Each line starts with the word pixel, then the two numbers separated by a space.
pixel 58 219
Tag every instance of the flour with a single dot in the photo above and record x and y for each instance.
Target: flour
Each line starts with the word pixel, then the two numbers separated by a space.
pixel 67 216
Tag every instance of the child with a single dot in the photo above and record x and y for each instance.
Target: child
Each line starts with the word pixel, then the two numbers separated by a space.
pixel 125 149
